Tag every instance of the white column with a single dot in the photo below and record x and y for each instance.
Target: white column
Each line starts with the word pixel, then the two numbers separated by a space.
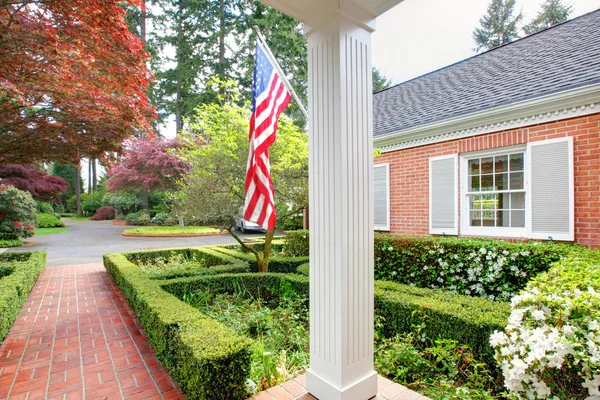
pixel 341 207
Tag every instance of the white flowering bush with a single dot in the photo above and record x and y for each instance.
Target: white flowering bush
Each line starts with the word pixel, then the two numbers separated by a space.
pixel 487 268
pixel 550 348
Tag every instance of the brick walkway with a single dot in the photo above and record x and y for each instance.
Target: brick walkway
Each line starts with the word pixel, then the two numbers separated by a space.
pixel 295 389
pixel 76 337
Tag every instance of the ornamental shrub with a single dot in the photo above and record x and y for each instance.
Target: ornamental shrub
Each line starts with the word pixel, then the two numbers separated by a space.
pixel 164 219
pixel 44 207
pixel 92 202
pixel 49 221
pixel 17 213
pixel 140 218
pixel 487 268
pixel 551 345
pixel 104 213
pixel 296 243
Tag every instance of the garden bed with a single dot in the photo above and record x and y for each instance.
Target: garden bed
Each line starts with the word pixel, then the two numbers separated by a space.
pixel 173 231
pixel 18 273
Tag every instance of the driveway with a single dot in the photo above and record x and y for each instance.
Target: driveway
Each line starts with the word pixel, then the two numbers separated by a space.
pixel 87 241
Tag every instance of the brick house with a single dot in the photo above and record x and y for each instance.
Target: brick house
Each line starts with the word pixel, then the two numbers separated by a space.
pixel 504 144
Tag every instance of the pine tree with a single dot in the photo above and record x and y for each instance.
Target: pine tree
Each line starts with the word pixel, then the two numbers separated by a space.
pixel 380 81
pixel 553 12
pixel 499 25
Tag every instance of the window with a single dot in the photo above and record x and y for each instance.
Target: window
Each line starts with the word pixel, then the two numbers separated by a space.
pixel 381 198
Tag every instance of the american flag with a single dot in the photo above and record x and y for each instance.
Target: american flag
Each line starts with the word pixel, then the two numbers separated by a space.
pixel 269 98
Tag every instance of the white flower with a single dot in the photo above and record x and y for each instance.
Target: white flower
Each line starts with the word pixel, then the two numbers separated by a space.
pixel 390 248
pixel 497 338
pixel 538 315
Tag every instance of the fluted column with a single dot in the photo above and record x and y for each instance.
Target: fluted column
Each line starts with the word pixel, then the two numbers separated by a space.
pixel 341 206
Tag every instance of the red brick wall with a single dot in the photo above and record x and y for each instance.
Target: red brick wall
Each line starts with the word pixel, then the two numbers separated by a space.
pixel 409 173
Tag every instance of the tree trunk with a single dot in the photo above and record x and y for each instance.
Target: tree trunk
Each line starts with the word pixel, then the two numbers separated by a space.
pixel 221 72
pixel 143 22
pixel 178 117
pixel 94 176
pixel 78 189
pixel 144 198
pixel 179 212
pixel 267 252
pixel 89 176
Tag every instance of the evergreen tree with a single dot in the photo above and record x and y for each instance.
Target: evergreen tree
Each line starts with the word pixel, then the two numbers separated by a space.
pixel 499 25
pixel 553 12
pixel 67 172
pixel 380 81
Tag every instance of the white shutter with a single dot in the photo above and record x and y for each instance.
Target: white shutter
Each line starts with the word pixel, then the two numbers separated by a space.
pixel 550 189
pixel 443 195
pixel 381 184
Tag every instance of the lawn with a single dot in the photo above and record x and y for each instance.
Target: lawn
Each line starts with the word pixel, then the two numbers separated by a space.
pixel 50 231
pixel 172 231
pixel 79 219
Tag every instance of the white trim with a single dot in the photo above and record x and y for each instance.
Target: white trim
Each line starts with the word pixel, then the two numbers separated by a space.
pixel 442 231
pixel 389 193
pixel 555 236
pixel 567 104
pixel 489 231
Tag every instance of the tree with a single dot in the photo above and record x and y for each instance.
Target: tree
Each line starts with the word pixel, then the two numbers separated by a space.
pixel 553 12
pixel 72 80
pixel 380 81
pixel 147 164
pixel 33 180
pixel 67 173
pixel 499 25
pixel 217 150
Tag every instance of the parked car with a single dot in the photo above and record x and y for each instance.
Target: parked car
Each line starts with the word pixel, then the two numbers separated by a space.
pixel 246 226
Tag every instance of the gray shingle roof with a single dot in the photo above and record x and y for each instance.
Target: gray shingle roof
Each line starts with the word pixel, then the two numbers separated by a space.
pixel 560 58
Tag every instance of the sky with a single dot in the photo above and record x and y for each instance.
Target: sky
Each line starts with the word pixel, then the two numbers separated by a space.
pixel 420 36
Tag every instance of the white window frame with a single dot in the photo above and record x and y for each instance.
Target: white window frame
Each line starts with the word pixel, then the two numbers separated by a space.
pixel 389 193
pixel 454 231
pixel 465 226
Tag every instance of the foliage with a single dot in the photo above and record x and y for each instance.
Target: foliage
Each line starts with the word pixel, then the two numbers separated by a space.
pixel 553 12
pixel 276 264
pixel 206 359
pixel 172 231
pixel 551 345
pixel 435 368
pixel 68 174
pixel 149 164
pixel 87 95
pixel 25 267
pixel 6 243
pixel 49 221
pixel 164 219
pixel 296 244
pixel 44 207
pixel 138 218
pixel 104 213
pixel 123 200
pixel 498 26
pixel 479 267
pixel 380 81
pixel 92 202
pixel 33 180
pixel 17 213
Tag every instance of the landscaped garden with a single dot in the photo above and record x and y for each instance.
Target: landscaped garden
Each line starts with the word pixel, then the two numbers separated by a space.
pixel 226 330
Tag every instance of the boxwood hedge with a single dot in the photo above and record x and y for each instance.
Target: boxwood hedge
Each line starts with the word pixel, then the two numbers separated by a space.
pixel 276 264
pixel 207 360
pixel 18 273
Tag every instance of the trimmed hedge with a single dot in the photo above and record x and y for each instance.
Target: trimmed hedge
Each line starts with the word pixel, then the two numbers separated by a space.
pixel 18 273
pixel 487 268
pixel 276 264
pixel 49 221
pixel 297 243
pixel 6 243
pixel 207 360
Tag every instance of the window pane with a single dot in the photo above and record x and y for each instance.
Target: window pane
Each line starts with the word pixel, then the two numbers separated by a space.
pixel 516 162
pixel 501 164
pixel 503 201
pixel 475 218
pixel 474 167
pixel 474 184
pixel 517 219
pixel 487 183
pixel 489 219
pixel 501 181
pixel 502 218
pixel 517 201
pixel 516 180
pixel 476 202
pixel 487 165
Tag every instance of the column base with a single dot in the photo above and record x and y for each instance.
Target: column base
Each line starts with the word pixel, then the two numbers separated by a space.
pixel 362 389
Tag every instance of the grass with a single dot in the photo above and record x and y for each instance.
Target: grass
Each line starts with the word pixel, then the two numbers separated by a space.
pixel 78 219
pixel 172 230
pixel 50 231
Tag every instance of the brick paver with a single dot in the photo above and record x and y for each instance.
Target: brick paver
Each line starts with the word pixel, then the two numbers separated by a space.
pixel 77 338
pixel 295 389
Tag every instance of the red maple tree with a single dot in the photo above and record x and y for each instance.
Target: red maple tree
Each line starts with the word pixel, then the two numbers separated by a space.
pixel 30 179
pixel 73 80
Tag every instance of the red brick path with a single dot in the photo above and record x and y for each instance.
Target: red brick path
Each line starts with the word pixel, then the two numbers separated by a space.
pixel 76 337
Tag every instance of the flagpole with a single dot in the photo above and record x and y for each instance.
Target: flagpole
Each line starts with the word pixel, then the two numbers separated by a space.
pixel 263 41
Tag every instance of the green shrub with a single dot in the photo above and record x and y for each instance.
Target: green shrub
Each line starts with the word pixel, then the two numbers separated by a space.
pixel 276 264
pixel 296 243
pixel 140 218
pixel 303 269
pixel 92 202
pixel 480 267
pixel 49 221
pixel 21 270
pixel 6 243
pixel 44 207
pixel 164 219
pixel 67 215
pixel 206 359
pixel 17 213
